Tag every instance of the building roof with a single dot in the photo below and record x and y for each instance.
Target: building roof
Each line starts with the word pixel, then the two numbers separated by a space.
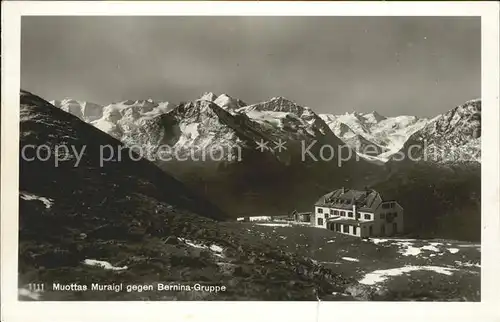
pixel 295 212
pixel 365 200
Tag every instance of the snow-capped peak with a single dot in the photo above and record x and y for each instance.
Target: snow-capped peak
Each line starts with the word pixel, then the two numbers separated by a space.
pixel 389 133
pixel 229 103
pixel 454 136
pixel 114 118
pixel 208 96
pixel 277 104
pixel 374 117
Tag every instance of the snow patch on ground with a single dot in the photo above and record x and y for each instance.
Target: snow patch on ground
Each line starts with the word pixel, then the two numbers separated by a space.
pixel 256 218
pixel 430 247
pixel 27 293
pixel 467 264
pixel 103 264
pixel 350 259
pixel 469 245
pixel 377 241
pixel 216 249
pixel 407 247
pixel 380 276
pixel 409 250
pixel 274 224
pixel 28 196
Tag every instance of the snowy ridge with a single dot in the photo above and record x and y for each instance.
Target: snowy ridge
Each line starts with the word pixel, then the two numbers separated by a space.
pixel 286 119
pixel 372 135
pixel 453 137
pixel 115 118
pixel 221 120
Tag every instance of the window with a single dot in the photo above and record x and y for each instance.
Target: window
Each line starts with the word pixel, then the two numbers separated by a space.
pixel 320 210
pixel 337 227
pixel 335 212
pixel 331 211
pixel 385 205
pixel 354 230
pixel 320 221
pixel 382 229
pixel 358 215
pixel 382 216
pixel 349 214
pixel 326 216
pixel 368 217
pixel 342 213
pixel 346 229
pixel 394 228
pixel 370 230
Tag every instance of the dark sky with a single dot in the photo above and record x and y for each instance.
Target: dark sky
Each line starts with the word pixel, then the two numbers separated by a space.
pixel 394 65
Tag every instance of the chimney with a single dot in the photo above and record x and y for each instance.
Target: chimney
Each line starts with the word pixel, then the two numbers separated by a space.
pixel 354 211
pixel 343 190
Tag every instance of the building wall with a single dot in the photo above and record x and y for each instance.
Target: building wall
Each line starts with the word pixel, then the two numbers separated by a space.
pixel 377 221
pixel 319 213
pixel 331 226
pixel 365 229
pixel 362 216
pixel 384 226
pixel 347 211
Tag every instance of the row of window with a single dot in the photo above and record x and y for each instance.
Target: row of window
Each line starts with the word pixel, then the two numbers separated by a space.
pixel 348 214
pixel 389 215
pixel 388 205
pixel 345 228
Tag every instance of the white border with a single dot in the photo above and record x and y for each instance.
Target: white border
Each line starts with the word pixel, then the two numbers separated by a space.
pixel 487 310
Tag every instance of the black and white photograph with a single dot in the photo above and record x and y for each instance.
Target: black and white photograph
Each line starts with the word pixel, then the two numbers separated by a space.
pixel 250 158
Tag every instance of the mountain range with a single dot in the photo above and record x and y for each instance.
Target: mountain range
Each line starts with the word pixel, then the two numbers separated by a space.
pixel 138 218
pixel 128 222
pixel 247 179
pixel 374 137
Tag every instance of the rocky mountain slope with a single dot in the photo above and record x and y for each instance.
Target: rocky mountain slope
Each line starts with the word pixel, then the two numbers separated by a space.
pixel 439 200
pixel 241 176
pixel 84 220
pixel 115 118
pixel 453 137
pixel 436 176
pixel 127 222
pixel 212 144
pixel 225 101
pixel 372 135
pixel 245 180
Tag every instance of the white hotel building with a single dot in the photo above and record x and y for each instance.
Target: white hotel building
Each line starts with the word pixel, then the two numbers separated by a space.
pixel 360 213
